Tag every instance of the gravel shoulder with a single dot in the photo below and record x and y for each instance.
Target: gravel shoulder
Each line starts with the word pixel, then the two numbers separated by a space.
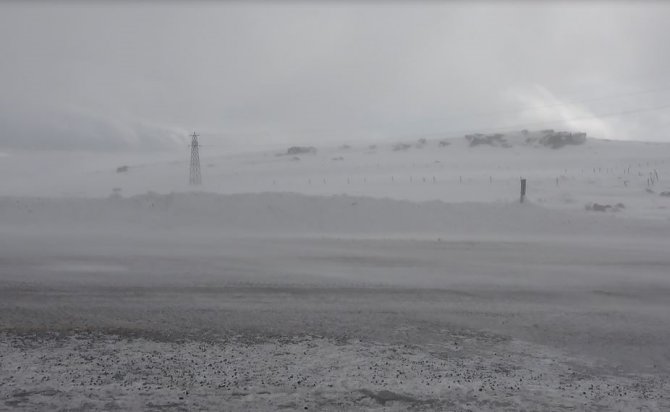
pixel 85 371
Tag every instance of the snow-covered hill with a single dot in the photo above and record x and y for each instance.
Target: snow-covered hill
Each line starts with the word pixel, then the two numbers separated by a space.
pixel 567 176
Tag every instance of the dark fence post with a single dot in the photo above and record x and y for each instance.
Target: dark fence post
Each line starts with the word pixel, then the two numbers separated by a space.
pixel 523 190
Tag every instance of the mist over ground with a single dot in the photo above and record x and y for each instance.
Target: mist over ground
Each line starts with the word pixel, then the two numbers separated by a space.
pixel 404 275
pixel 359 239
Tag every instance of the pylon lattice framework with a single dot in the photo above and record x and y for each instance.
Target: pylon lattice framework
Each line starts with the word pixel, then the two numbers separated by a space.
pixel 195 178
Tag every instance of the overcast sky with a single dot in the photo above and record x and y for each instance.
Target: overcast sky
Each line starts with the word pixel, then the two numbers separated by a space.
pixel 140 77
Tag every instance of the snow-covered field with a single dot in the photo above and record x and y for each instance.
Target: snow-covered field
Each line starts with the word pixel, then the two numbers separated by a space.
pixel 570 177
pixel 353 278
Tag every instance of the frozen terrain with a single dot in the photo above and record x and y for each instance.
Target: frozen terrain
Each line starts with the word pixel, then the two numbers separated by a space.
pixel 353 278
pixel 451 170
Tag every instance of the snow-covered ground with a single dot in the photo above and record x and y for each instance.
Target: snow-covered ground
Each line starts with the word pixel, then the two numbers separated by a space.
pixel 310 373
pixel 353 278
pixel 450 170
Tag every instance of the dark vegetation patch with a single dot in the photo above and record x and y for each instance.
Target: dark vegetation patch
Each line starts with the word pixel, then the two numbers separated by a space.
pixel 479 139
pixel 300 150
pixel 557 140
pixel 399 147
pixel 597 207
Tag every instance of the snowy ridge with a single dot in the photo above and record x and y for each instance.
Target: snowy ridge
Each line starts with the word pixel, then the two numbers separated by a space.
pixel 572 177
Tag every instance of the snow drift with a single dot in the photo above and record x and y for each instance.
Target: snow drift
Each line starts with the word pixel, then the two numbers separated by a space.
pixel 290 213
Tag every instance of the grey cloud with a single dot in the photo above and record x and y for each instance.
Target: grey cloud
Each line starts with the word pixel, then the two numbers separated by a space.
pixel 66 130
pixel 278 71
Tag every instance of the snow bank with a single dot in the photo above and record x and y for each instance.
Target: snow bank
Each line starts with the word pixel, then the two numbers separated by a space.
pixel 289 213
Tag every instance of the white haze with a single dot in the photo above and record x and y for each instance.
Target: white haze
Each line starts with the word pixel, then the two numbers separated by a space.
pixel 390 265
pixel 123 76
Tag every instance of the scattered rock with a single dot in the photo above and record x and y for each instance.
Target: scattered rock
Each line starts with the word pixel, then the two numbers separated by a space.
pixel 556 140
pixel 478 139
pixel 421 143
pixel 401 147
pixel 296 150
pixel 597 207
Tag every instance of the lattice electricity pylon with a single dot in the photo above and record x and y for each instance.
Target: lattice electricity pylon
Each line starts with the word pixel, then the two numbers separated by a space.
pixel 195 178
